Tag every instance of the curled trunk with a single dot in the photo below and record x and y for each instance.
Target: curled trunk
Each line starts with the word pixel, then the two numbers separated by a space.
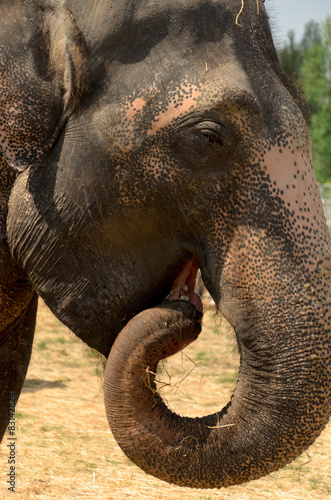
pixel 263 427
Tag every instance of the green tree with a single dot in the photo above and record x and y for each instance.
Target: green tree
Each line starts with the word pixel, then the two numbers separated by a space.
pixel 316 79
pixel 291 59
pixel 308 64
pixel 293 54
pixel 312 36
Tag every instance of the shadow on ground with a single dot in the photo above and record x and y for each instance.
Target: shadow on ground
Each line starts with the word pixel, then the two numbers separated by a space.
pixel 37 384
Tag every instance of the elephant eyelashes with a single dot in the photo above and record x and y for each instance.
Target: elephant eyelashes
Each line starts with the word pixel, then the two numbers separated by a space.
pixel 211 138
pixel 212 131
pixel 204 144
pixel 213 134
pixel 204 135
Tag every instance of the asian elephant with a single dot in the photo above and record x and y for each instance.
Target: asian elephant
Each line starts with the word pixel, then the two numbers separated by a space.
pixel 141 141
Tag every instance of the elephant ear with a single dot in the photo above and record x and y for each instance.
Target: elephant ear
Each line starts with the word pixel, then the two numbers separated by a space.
pixel 42 75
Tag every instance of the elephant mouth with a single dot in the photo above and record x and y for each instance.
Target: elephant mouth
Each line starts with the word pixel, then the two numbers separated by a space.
pixel 184 285
pixel 183 289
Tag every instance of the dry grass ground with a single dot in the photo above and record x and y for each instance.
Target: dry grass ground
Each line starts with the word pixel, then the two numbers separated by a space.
pixel 66 451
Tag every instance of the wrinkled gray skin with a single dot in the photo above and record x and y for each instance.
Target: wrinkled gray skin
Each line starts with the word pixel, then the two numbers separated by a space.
pixel 137 139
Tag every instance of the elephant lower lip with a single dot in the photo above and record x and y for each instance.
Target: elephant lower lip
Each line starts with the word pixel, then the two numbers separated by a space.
pixel 184 285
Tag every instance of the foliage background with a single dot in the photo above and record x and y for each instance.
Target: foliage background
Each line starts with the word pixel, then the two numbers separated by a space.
pixel 308 64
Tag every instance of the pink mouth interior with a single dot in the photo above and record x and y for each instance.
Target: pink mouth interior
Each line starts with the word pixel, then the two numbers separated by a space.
pixel 184 285
pixel 183 289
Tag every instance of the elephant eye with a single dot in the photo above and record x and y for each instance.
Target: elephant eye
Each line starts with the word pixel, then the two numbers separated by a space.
pixel 203 143
pixel 211 137
pixel 211 132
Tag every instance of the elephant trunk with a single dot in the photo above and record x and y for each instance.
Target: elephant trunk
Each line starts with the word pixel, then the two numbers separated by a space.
pixel 263 427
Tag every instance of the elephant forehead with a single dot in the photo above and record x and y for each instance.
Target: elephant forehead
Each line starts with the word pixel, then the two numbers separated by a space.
pixel 181 102
pixel 126 125
pixel 214 91
pixel 135 106
pixel 161 109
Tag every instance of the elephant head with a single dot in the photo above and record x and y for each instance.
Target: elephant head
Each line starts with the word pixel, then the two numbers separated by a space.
pixel 140 142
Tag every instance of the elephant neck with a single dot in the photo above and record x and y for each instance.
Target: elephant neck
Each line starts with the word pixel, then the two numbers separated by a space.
pixel 7 177
pixel 15 290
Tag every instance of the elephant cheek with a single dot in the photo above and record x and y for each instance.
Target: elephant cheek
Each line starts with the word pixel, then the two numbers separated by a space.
pixel 293 182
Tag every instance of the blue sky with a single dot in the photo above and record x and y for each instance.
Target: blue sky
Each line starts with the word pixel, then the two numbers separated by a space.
pixel 294 14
